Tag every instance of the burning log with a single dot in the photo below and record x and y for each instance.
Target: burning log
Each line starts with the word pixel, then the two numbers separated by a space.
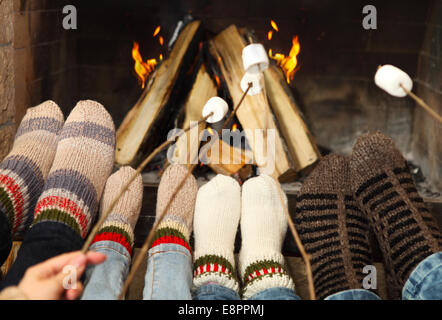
pixel 254 113
pixel 144 125
pixel 300 143
pixel 187 146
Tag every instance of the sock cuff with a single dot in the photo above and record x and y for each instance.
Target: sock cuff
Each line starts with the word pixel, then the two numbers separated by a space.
pixel 214 268
pixel 116 231
pixel 168 223
pixel 166 234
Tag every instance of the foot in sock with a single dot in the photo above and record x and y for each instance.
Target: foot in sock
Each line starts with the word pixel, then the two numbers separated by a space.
pixel 332 228
pixel 82 164
pixel 217 213
pixel 384 188
pixel 176 225
pixel 263 229
pixel 24 170
pixel 120 223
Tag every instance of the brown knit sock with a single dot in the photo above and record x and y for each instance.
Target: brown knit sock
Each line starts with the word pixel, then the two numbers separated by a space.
pixel 385 190
pixel 332 228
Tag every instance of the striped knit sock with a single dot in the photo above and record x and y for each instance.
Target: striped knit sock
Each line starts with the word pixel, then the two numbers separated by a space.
pixel 263 229
pixel 217 213
pixel 384 188
pixel 120 223
pixel 176 225
pixel 24 170
pixel 82 164
pixel 332 228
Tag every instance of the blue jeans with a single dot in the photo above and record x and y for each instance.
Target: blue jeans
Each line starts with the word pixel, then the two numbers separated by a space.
pixel 105 281
pixel 169 277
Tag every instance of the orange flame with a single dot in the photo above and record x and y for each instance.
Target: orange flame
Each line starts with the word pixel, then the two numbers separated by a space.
pixel 218 83
pixel 274 25
pixel 161 39
pixel 142 69
pixel 210 130
pixel 288 64
pixel 157 30
pixel 234 127
pixel 270 35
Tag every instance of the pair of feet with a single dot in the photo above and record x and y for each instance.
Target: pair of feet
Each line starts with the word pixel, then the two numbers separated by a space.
pixel 57 170
pixel 346 198
pixel 213 213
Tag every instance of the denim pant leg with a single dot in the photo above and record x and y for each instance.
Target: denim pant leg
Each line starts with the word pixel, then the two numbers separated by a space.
pixel 276 293
pixel 169 273
pixel 353 294
pixel 213 291
pixel 425 282
pixel 105 281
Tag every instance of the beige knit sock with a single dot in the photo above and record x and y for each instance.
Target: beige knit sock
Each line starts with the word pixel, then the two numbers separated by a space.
pixel 120 223
pixel 83 162
pixel 263 228
pixel 217 213
pixel 176 226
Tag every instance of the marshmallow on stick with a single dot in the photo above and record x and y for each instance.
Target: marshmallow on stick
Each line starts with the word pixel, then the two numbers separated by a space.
pixel 255 61
pixel 218 106
pixel 399 84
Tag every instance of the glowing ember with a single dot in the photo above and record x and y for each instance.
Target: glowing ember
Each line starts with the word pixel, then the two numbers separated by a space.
pixel 161 39
pixel 157 30
pixel 234 127
pixel 218 83
pixel 210 130
pixel 270 35
pixel 274 25
pixel 142 69
pixel 288 64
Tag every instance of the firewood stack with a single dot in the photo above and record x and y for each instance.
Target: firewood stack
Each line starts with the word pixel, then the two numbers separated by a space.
pixel 196 70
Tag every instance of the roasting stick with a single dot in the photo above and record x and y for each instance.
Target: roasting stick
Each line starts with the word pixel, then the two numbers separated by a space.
pixel 422 103
pixel 126 186
pixel 255 61
pixel 145 248
pixel 399 84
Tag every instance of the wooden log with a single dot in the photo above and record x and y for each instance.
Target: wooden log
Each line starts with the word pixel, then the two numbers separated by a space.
pixel 186 147
pixel 236 158
pixel 254 113
pixel 300 143
pixel 141 130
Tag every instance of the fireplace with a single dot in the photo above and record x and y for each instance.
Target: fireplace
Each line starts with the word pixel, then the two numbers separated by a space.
pixel 333 85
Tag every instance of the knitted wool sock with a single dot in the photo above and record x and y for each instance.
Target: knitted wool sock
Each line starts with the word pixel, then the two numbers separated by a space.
pixel 120 223
pixel 82 164
pixel 176 225
pixel 384 188
pixel 263 229
pixel 24 170
pixel 332 228
pixel 217 213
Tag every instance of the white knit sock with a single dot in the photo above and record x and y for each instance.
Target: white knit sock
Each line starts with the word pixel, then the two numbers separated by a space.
pixel 263 228
pixel 216 219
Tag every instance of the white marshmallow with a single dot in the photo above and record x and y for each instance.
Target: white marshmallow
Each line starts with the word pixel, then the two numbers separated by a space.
pixel 389 78
pixel 218 106
pixel 254 58
pixel 256 79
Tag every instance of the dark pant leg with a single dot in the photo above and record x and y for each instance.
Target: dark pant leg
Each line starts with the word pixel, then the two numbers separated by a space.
pixel 5 237
pixel 43 241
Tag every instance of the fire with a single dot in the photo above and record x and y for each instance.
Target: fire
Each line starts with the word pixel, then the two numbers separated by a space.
pixel 157 30
pixel 161 40
pixel 274 25
pixel 142 69
pixel 234 127
pixel 210 130
pixel 218 83
pixel 270 35
pixel 288 63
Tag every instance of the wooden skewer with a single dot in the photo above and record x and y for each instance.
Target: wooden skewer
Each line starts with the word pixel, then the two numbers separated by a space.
pixel 226 123
pixel 422 103
pixel 126 186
